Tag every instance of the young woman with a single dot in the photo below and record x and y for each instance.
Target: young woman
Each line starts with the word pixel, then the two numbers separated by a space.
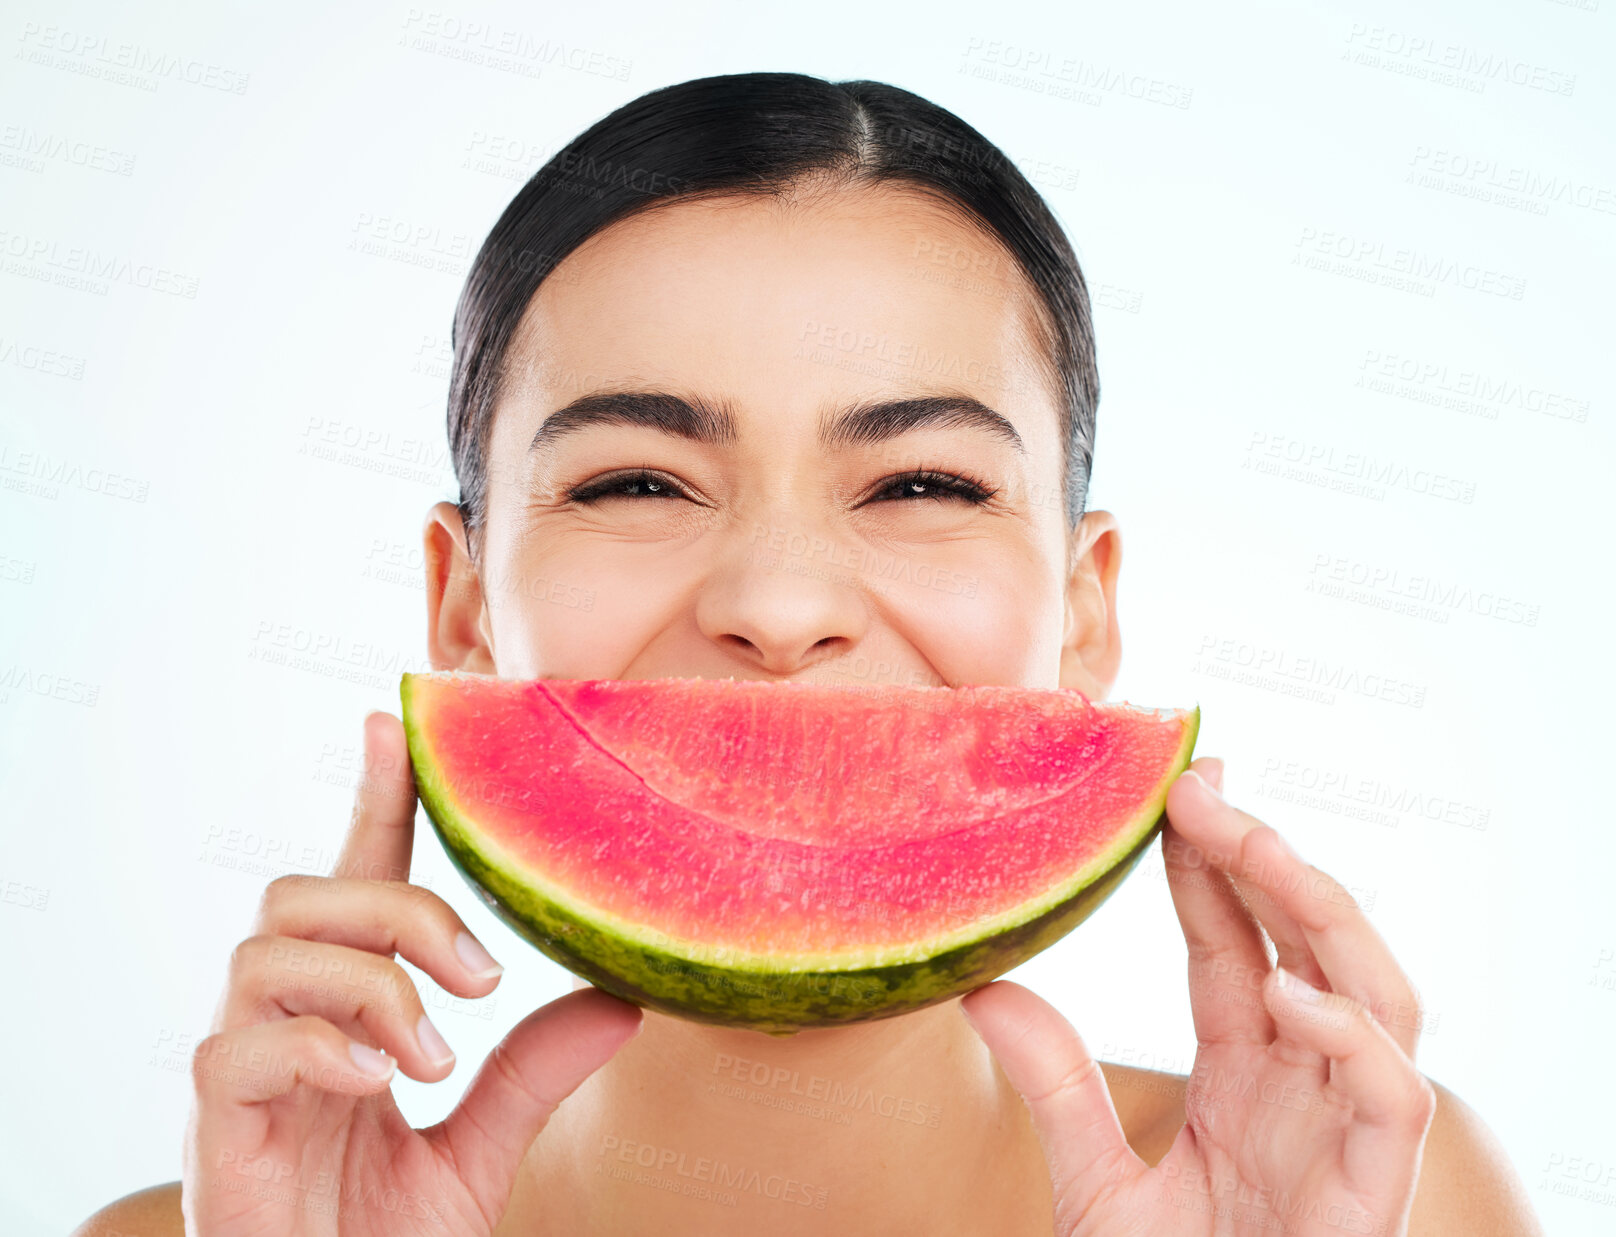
pixel 737 316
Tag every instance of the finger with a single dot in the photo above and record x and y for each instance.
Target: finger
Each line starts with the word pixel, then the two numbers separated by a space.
pixel 1349 956
pixel 236 1073
pixel 367 997
pixel 544 1059
pixel 1045 1060
pixel 384 917
pixel 1290 942
pixel 381 830
pixel 1228 957
pixel 1390 1102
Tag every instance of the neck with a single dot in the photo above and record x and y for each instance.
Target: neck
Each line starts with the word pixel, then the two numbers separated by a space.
pixel 898 1125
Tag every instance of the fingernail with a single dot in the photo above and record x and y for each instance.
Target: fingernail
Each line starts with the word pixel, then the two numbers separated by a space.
pixel 1210 789
pixel 1297 988
pixel 478 960
pixel 376 1064
pixel 1214 773
pixel 432 1043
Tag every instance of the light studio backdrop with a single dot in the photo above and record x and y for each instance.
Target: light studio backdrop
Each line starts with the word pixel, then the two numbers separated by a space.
pixel 1350 266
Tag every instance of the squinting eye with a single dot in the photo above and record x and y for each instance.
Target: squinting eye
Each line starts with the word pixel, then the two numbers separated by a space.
pixel 617 485
pixel 937 486
pixel 940 486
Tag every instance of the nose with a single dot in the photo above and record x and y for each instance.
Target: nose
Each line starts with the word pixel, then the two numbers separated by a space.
pixel 779 602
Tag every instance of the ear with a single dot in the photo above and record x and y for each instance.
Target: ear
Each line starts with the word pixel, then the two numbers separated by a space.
pixel 457 635
pixel 1091 651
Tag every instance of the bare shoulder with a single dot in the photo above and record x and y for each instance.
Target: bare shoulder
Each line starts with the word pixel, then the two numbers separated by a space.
pixel 146 1213
pixel 1467 1183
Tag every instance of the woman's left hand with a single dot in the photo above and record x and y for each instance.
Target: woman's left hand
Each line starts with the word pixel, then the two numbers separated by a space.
pixel 1304 1111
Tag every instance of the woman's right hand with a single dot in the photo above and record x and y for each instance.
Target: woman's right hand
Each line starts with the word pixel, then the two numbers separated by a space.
pixel 293 1127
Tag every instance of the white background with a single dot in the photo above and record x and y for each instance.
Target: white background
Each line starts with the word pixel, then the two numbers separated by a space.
pixel 192 519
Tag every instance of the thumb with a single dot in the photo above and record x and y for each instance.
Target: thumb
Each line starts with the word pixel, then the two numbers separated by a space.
pixel 1211 768
pixel 1045 1061
pixel 544 1059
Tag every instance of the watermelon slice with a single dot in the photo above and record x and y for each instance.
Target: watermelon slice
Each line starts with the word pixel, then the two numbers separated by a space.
pixel 786 855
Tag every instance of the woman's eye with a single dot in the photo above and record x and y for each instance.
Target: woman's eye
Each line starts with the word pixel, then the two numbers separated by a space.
pixel 940 486
pixel 625 485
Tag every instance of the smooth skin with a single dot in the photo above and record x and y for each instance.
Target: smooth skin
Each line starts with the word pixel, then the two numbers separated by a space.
pixel 1311 1114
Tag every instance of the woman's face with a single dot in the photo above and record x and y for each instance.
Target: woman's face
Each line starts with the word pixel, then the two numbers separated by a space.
pixel 753 519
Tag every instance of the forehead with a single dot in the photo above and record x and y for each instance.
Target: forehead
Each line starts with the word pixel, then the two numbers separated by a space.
pixel 785 304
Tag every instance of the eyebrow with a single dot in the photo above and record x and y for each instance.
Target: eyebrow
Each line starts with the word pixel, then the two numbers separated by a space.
pixel 704 421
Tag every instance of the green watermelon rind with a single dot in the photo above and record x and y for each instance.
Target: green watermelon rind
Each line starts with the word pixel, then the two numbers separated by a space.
pixel 775 994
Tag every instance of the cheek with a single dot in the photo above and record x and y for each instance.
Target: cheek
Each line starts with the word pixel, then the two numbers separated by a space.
pixel 578 612
pixel 996 626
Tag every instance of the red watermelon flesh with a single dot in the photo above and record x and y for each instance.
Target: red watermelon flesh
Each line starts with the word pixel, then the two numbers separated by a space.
pixel 668 838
